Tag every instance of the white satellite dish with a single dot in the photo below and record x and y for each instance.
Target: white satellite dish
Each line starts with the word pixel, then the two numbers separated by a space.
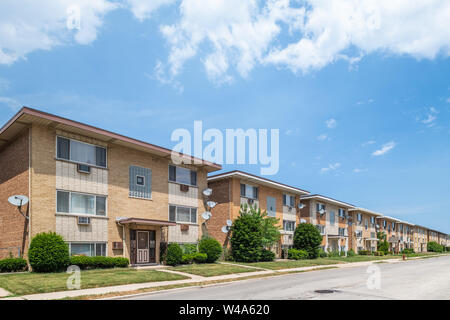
pixel 18 200
pixel 321 211
pixel 207 192
pixel 206 215
pixel 302 221
pixel 211 204
pixel 225 229
pixel 301 206
pixel 229 223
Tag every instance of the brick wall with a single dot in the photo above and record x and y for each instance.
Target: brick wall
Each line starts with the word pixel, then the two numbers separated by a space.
pixel 222 211
pixel 14 179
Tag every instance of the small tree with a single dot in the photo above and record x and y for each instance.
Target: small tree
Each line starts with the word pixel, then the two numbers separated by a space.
pixel 382 245
pixel 174 254
pixel 48 253
pixel 308 238
pixel 247 236
pixel 211 247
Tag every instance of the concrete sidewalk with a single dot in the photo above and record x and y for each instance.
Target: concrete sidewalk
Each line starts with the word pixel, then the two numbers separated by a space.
pixel 192 279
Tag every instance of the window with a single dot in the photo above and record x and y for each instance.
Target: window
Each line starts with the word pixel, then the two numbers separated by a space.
pixel 88 249
pixel 248 191
pixel 182 175
pixel 288 225
pixel 366 223
pixel 80 152
pixel 342 213
pixel 332 218
pixel 384 224
pixel 372 220
pixel 393 226
pixel 288 200
pixel 359 217
pixel 320 206
pixel 182 214
pixel 359 233
pixel 321 228
pixel 78 203
pixel 342 232
pixel 140 180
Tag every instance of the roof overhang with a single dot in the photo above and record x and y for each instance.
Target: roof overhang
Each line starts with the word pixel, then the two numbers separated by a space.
pixel 365 211
pixel 258 180
pixel 149 222
pixel 28 116
pixel 326 199
pixel 390 218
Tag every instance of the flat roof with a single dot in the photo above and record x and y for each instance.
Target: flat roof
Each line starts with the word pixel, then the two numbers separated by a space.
pixel 327 199
pixel 257 179
pixel 366 211
pixel 27 116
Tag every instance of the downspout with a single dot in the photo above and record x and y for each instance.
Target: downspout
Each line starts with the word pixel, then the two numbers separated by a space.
pixel 123 238
pixel 29 187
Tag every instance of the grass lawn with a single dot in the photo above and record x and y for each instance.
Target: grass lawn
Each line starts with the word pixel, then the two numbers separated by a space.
pixel 362 258
pixel 211 269
pixel 288 264
pixel 29 283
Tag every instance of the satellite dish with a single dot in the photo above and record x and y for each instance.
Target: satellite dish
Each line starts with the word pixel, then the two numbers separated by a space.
pixel 207 192
pixel 206 215
pixel 18 200
pixel 211 204
pixel 301 206
pixel 302 221
pixel 225 229
pixel 321 211
pixel 229 223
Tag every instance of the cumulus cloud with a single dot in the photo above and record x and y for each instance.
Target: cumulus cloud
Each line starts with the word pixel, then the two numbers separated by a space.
pixel 385 148
pixel 330 167
pixel 28 25
pixel 142 9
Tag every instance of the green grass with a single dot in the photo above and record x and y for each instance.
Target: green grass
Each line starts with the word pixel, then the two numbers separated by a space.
pixel 212 269
pixel 358 258
pixel 29 283
pixel 289 264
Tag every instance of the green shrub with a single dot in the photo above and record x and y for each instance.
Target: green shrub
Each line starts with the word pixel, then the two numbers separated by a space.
pixel 378 253
pixel 322 253
pixel 295 254
pixel 211 247
pixel 162 250
pixel 447 249
pixel 333 253
pixel 351 253
pixel 408 251
pixel 48 253
pixel 187 258
pixel 246 237
pixel 308 238
pixel 434 247
pixel 189 248
pixel 267 255
pixel 200 257
pixel 174 254
pixel 364 253
pixel 13 265
pixel 99 262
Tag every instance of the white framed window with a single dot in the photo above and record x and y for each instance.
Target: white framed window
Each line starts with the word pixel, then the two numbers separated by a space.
pixel 320 206
pixel 80 152
pixel 321 228
pixel 248 191
pixel 372 220
pixel 182 214
pixel 341 213
pixel 80 203
pixel 182 175
pixel 288 225
pixel 332 218
pixel 288 200
pixel 342 232
pixel 359 217
pixel 359 233
pixel 89 249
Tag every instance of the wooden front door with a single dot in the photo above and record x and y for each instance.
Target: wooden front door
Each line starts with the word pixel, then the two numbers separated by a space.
pixel 143 247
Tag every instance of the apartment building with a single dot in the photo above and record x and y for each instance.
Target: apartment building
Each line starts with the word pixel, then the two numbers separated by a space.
pixel 420 239
pixel 330 216
pixel 391 227
pixel 363 229
pixel 433 236
pixel 232 189
pixel 105 193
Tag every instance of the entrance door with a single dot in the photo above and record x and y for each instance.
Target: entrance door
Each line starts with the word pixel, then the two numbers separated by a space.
pixel 142 247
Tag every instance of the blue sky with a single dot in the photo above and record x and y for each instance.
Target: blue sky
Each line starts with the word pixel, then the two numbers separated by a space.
pixel 141 71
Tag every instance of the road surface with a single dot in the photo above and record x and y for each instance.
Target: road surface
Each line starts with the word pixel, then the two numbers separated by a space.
pixel 414 279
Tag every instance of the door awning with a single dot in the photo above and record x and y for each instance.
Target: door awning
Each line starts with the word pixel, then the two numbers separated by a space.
pixel 149 222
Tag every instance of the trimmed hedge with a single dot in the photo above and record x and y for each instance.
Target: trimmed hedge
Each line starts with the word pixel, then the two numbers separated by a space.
pixel 365 253
pixel 378 253
pixel 174 254
pixel 99 262
pixel 408 251
pixel 434 247
pixel 200 257
pixel 48 253
pixel 196 257
pixel 351 253
pixel 295 254
pixel 211 247
pixel 267 255
pixel 13 265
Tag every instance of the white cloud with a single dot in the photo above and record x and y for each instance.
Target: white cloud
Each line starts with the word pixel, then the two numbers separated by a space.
pixel 238 35
pixel 322 137
pixel 358 170
pixel 384 148
pixel 430 117
pixel 330 167
pixel 142 9
pixel 11 103
pixel 331 123
pixel 367 143
pixel 28 25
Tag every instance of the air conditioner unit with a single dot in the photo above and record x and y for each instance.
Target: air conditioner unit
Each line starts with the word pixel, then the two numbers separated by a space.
pixel 290 209
pixel 83 168
pixel 84 220
pixel 251 201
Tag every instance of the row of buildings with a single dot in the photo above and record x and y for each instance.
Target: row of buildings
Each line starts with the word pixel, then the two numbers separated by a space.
pixel 108 194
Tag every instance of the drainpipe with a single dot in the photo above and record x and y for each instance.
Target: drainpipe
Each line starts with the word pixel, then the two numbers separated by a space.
pixel 123 238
